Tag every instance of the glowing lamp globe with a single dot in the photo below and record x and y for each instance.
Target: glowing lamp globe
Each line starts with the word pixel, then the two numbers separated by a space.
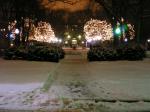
pixel 68 36
pixel 17 31
pixel 79 37
pixel 66 42
pixel 126 40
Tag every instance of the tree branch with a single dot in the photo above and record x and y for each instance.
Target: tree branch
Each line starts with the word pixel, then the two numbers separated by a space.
pixel 70 2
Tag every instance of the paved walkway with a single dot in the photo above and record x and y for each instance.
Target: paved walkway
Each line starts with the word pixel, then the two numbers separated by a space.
pixel 119 79
pixel 112 84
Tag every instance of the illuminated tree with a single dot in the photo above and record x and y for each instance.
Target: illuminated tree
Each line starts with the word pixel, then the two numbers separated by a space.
pixel 125 31
pixel 131 31
pixel 98 30
pixel 43 33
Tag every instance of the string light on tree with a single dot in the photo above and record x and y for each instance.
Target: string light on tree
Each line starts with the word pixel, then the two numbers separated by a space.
pixel 98 30
pixel 44 33
pixel 125 30
pixel 79 37
pixel 131 31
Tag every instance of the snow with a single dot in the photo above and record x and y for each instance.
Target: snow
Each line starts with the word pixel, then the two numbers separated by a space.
pixel 78 82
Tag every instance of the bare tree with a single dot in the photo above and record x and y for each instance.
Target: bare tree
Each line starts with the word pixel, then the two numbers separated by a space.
pixel 66 1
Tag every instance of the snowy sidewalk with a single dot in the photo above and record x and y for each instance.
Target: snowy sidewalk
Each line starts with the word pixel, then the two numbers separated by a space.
pixel 104 86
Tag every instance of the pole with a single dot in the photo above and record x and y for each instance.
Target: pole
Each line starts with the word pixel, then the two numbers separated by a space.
pixel 139 22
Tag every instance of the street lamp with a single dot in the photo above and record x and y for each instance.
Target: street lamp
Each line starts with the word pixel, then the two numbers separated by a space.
pixel 79 37
pixel 66 42
pixel 126 40
pixel 68 36
pixel 17 31
pixel 148 40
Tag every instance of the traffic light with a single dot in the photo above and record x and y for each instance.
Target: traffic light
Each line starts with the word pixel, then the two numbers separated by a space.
pixel 118 31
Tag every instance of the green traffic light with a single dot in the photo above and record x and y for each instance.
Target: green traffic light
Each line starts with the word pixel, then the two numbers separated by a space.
pixel 118 31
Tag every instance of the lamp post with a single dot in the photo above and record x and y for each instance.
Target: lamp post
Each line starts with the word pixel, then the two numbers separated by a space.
pixel 17 37
pixel 79 40
pixel 117 34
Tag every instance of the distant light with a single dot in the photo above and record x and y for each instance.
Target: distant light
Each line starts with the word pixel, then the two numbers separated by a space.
pixel 15 21
pixel 74 41
pixel 82 42
pixel 11 36
pixel 118 24
pixel 126 40
pixel 2 29
pixel 59 40
pixel 118 31
pixel 66 42
pixel 122 19
pixel 148 40
pixel 11 44
pixel 89 40
pixel 17 31
pixel 79 37
pixel 68 36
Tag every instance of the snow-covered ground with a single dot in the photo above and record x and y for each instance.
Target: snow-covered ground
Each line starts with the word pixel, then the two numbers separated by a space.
pixel 106 85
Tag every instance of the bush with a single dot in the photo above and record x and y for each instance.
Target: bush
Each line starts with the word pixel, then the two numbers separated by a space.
pixel 102 54
pixel 126 52
pixel 9 53
pixel 35 52
pixel 136 52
